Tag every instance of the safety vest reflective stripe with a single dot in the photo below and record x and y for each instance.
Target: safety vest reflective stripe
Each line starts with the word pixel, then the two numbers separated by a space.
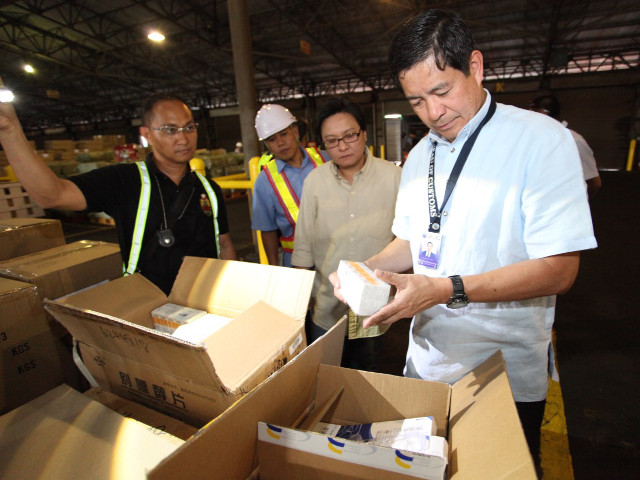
pixel 285 193
pixel 314 155
pixel 141 218
pixel 214 206
pixel 143 210
pixel 287 244
pixel 264 159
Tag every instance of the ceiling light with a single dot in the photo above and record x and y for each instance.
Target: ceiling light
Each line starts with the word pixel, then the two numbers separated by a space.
pixel 156 36
pixel 393 115
pixel 6 96
pixel 28 68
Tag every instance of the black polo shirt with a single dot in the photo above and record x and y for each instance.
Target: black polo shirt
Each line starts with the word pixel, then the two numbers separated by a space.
pixel 115 190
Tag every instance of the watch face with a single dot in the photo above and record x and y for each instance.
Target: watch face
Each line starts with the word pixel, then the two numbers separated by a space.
pixel 458 302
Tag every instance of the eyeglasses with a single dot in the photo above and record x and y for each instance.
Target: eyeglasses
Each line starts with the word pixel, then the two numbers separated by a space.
pixel 348 138
pixel 170 130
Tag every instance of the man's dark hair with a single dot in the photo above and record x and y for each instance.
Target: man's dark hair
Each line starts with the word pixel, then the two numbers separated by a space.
pixel 547 103
pixel 436 33
pixel 339 105
pixel 146 110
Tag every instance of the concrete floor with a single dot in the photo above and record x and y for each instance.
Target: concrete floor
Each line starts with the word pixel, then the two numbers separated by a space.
pixel 597 332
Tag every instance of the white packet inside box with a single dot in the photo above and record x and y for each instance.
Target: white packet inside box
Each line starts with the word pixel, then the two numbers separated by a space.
pixel 410 434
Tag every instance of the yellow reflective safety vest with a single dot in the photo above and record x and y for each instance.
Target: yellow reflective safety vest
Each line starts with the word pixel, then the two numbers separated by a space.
pixel 285 194
pixel 143 211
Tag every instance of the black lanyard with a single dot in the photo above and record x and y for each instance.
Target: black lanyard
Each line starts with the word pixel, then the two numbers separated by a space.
pixel 435 213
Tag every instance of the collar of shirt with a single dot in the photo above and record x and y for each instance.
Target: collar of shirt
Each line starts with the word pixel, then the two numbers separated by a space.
pixel 468 129
pixel 187 179
pixel 365 168
pixel 305 161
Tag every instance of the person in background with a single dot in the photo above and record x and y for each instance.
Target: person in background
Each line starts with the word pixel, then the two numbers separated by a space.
pixel 278 188
pixel 345 214
pixel 549 105
pixel 499 193
pixel 163 211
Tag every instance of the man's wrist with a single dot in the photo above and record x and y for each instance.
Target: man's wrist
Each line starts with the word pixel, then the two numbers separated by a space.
pixel 459 297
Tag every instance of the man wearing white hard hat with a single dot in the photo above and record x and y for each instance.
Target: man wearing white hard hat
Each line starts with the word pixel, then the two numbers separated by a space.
pixel 278 188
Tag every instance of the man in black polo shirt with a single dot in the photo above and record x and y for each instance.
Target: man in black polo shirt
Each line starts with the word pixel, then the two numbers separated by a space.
pixel 163 211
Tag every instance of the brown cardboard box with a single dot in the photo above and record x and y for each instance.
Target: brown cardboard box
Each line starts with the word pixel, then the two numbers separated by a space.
pixel 62 270
pixel 29 364
pixel 192 382
pixel 22 236
pixel 64 434
pixel 477 415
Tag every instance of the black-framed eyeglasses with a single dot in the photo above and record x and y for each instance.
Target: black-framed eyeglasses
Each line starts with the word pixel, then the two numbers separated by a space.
pixel 348 138
pixel 170 130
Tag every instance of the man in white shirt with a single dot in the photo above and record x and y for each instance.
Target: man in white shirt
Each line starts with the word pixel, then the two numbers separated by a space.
pixel 549 105
pixel 508 230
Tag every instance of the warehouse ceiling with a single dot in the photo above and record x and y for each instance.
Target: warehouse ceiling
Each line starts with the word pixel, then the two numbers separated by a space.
pixel 94 63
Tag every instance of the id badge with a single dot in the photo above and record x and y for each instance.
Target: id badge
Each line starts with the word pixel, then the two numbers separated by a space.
pixel 429 252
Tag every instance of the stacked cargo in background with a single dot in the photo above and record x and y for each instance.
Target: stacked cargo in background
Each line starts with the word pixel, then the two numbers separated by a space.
pixel 15 202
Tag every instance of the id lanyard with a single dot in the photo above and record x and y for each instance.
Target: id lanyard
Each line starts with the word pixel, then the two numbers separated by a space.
pixel 435 213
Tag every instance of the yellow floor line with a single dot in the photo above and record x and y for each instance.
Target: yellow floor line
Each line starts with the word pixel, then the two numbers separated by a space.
pixel 554 442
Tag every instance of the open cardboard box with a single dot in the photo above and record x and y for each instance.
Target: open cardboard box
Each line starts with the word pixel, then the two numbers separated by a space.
pixel 122 353
pixel 477 415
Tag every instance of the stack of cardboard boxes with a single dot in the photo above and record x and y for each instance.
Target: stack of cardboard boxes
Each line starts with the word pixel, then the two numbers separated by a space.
pixel 36 264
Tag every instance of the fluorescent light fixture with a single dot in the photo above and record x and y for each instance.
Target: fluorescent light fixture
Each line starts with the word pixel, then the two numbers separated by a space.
pixel 28 68
pixel 143 142
pixel 156 36
pixel 393 115
pixel 6 96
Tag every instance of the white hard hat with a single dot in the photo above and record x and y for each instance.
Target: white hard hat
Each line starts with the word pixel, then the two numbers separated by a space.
pixel 238 144
pixel 272 118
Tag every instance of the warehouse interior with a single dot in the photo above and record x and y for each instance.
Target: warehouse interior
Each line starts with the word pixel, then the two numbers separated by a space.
pixel 93 65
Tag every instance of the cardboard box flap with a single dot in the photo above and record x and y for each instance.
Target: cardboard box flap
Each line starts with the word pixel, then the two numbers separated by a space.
pixel 226 287
pixel 136 343
pixel 483 421
pixel 373 404
pixel 132 308
pixel 282 399
pixel 64 434
pixel 238 349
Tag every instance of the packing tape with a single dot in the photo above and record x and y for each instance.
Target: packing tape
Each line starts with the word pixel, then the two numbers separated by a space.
pixel 81 366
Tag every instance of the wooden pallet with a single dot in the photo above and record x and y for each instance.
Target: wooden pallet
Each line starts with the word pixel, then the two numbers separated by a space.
pixel 16 203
